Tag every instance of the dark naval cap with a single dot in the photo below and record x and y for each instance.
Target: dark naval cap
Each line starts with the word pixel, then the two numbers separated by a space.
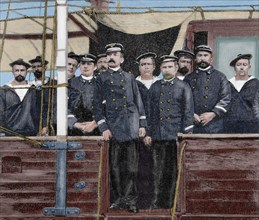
pixel 239 57
pixel 101 55
pixel 38 59
pixel 168 58
pixel 205 48
pixel 146 55
pixel 20 62
pixel 114 47
pixel 73 56
pixel 88 58
pixel 186 53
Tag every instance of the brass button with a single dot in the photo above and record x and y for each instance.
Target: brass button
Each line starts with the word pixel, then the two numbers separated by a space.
pixel 113 100
pixel 193 87
pixel 161 93
pixel 124 106
pixel 205 96
pixel 116 108
pixel 112 82
pixel 122 80
pixel 161 110
pixel 168 109
pixel 168 100
pixel 112 91
pixel 206 87
pixel 124 97
pixel 161 102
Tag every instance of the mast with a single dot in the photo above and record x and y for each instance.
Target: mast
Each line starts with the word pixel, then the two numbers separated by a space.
pixel 61 63
pixel 61 156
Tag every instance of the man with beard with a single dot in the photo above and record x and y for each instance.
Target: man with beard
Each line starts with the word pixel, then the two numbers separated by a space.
pixel 19 109
pixel 169 111
pixel 49 93
pixel 38 68
pixel 122 122
pixel 101 64
pixel 185 58
pixel 147 65
pixel 241 117
pixel 211 93
pixel 80 118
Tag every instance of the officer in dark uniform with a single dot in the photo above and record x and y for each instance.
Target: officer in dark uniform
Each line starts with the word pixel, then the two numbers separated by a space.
pixel 146 78
pixel 211 93
pixel 185 61
pixel 241 117
pixel 122 122
pixel 80 118
pixel 170 110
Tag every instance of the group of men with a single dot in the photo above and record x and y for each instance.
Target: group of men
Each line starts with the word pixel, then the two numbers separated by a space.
pixel 139 116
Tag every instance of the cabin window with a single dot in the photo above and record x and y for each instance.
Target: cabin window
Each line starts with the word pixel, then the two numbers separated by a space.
pixel 227 48
pixel 200 38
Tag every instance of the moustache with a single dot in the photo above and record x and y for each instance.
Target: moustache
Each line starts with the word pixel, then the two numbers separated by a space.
pixel 19 78
pixel 184 70
pixel 38 74
pixel 111 61
pixel 203 64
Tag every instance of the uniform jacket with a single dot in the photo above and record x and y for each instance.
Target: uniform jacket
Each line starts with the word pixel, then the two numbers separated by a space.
pixel 244 107
pixel 124 111
pixel 211 93
pixel 19 116
pixel 143 92
pixel 80 100
pixel 170 109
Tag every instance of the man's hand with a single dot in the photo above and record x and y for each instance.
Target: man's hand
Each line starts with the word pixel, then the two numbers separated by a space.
pixel 207 117
pixel 44 131
pixel 148 141
pixel 107 135
pixel 196 119
pixel 88 127
pixel 142 132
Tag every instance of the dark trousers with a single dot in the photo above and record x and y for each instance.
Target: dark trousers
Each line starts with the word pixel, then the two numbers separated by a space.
pixel 165 172
pixel 123 171
pixel 145 180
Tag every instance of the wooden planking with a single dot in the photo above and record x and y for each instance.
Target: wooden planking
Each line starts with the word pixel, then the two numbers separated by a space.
pixel 223 174
pixel 27 193
pixel 221 207
pixel 219 217
pixel 220 177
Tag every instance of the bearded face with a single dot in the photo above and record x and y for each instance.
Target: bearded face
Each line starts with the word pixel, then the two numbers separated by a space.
pixel 184 70
pixel 38 74
pixel 19 78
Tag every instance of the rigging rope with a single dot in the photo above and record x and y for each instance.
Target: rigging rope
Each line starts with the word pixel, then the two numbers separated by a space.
pixel 99 182
pixel 178 180
pixel 53 90
pixel 21 136
pixel 4 32
pixel 43 67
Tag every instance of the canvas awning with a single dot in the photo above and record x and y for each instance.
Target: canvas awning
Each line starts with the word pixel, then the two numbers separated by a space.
pixel 22 37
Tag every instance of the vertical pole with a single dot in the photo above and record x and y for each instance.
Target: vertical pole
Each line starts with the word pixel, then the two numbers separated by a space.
pixel 61 63
pixel 61 67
